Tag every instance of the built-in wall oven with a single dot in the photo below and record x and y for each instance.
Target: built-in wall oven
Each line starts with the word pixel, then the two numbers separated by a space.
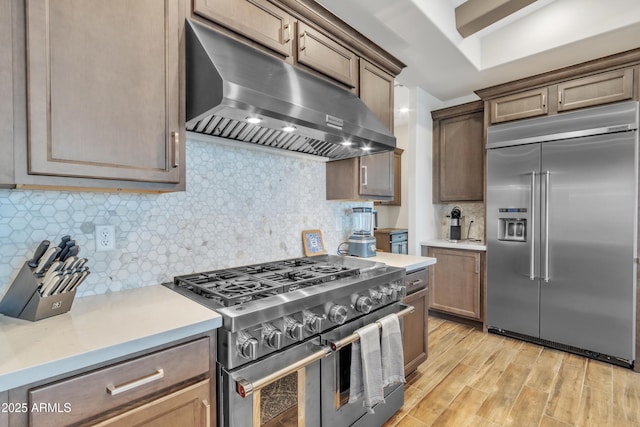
pixel 284 349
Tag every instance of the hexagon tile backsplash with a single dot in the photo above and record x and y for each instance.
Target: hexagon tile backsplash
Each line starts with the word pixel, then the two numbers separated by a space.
pixel 241 207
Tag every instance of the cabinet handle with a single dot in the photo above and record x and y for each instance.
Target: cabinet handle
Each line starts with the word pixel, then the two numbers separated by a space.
pixel 207 413
pixel 415 282
pixel 302 42
pixel 114 390
pixel 287 33
pixel 364 178
pixel 477 265
pixel 175 141
pixel 544 101
pixel 560 97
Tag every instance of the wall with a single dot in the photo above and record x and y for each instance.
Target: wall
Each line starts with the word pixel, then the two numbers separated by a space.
pixel 241 206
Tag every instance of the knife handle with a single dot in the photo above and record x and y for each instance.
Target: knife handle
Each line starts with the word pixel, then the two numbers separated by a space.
pixel 63 241
pixel 40 250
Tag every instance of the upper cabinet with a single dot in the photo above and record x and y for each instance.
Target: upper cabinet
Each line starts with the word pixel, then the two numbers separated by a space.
pixel 103 89
pixel 458 153
pixel 376 91
pixel 363 178
pixel 603 81
pixel 595 90
pixel 258 20
pixel 6 96
pixel 396 199
pixel 321 53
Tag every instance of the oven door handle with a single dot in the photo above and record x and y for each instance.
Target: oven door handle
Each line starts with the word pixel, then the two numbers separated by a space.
pixel 246 388
pixel 337 345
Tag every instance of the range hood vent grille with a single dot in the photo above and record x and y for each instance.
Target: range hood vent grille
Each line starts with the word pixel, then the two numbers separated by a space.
pixel 247 132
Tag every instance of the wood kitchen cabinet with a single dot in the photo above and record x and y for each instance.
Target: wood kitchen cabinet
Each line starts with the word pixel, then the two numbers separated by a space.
pixel 319 52
pixel 377 92
pixel 396 199
pixel 456 282
pixel 524 105
pixel 594 90
pixel 187 407
pixel 363 178
pixel 415 327
pixel 559 94
pixel 6 96
pixel 171 386
pixel 458 153
pixel 258 20
pixel 104 103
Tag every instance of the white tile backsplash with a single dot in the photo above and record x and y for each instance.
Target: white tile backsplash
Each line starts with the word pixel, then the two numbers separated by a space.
pixel 241 206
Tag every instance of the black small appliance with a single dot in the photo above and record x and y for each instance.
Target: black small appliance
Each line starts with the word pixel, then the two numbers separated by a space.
pixel 455 232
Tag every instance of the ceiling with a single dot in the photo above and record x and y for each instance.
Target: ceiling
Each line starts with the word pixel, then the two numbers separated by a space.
pixel 543 36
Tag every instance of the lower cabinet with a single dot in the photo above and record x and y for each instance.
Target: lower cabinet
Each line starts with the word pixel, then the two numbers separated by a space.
pixel 173 386
pixel 415 330
pixel 187 407
pixel 456 282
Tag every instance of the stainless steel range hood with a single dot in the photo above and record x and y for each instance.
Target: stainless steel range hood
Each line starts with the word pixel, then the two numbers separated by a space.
pixel 229 82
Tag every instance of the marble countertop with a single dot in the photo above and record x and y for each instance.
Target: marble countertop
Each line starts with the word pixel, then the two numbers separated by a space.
pixel 95 330
pixel 460 244
pixel 408 262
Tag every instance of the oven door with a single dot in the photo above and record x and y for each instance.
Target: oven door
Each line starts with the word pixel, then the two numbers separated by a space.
pixel 336 370
pixel 281 389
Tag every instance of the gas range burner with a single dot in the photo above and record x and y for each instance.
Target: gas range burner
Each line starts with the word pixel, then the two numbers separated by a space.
pixel 228 287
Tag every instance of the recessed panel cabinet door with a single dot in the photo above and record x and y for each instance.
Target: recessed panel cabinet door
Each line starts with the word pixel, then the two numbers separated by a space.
pixel 258 20
pixel 103 89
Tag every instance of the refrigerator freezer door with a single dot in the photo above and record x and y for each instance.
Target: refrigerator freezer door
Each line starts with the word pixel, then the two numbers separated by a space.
pixel 588 301
pixel 512 294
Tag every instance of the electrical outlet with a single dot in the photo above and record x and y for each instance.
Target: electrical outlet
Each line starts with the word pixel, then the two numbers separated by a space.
pixel 105 238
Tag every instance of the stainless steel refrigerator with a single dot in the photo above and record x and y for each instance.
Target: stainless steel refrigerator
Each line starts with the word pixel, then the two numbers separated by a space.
pixel 562 218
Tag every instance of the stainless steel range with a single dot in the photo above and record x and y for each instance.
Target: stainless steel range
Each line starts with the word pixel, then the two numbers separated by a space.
pixel 284 346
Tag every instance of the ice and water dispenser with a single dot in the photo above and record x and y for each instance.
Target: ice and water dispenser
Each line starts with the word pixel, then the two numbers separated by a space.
pixel 512 229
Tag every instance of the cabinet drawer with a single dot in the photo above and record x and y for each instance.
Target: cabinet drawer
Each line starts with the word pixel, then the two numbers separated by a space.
pixel 398 237
pixel 416 280
pixel 115 386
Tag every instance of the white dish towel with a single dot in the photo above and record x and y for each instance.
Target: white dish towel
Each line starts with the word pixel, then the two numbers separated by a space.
pixel 391 349
pixel 366 368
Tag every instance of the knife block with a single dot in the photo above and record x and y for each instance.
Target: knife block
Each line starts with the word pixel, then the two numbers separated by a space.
pixel 23 301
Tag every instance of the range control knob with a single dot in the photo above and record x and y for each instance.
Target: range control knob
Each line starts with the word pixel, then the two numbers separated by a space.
pixel 363 304
pixel 338 314
pixel 376 297
pixel 398 292
pixel 248 348
pixel 293 329
pixel 312 322
pixel 273 339
pixel 386 293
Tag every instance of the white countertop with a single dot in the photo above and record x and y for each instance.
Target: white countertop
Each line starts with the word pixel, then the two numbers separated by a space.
pixel 460 244
pixel 408 262
pixel 97 329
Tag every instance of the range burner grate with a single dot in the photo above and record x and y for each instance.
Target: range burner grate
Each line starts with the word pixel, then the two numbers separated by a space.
pixel 243 284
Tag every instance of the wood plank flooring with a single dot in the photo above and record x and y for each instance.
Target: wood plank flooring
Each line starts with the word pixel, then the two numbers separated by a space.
pixel 477 379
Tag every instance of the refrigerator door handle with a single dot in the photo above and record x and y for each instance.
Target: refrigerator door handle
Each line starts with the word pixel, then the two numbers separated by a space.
pixel 532 266
pixel 546 226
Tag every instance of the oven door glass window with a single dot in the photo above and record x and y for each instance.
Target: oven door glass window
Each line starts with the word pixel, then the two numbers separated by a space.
pixel 278 404
pixel 343 371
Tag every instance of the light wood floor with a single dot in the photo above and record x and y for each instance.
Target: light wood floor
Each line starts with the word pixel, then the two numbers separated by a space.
pixel 475 379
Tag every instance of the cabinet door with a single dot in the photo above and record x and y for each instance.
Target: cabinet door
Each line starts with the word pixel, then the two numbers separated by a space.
pixel 319 52
pixel 257 20
pixel 455 282
pixel 415 331
pixel 376 175
pixel 397 180
pixel 103 89
pixel 6 95
pixel 461 157
pixel 188 407
pixel 376 91
pixel 595 90
pixel 522 105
